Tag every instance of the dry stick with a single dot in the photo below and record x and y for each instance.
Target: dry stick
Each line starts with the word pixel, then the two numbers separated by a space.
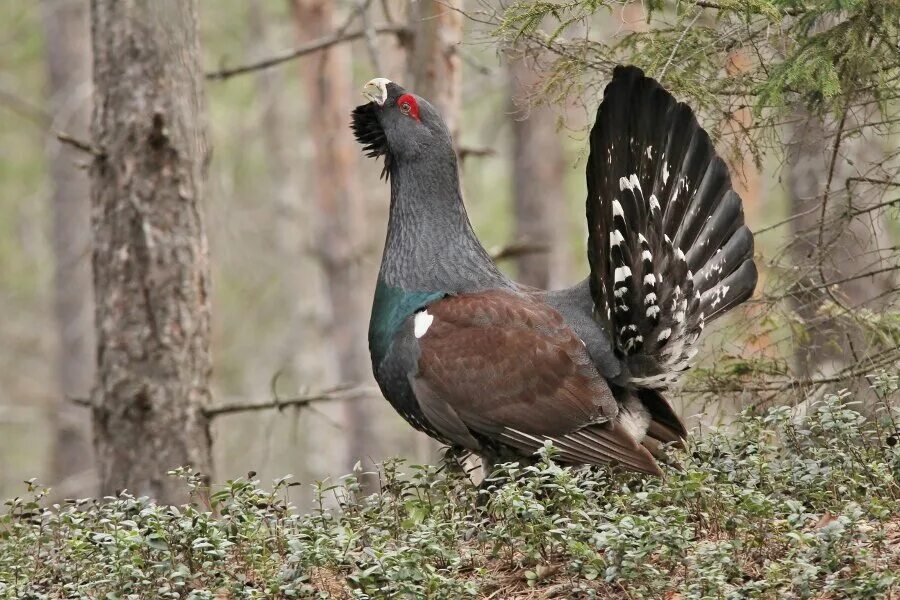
pixel 826 285
pixel 873 180
pixel 779 387
pixel 339 393
pixel 25 109
pixel 662 72
pixel 78 144
pixel 516 249
pixel 369 29
pixel 313 46
pixel 854 213
pixel 831 168
pixel 346 392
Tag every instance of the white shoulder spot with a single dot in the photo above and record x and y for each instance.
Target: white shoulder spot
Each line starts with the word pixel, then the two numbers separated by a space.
pixel 421 323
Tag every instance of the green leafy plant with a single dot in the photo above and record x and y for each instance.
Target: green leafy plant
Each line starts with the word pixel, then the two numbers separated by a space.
pixel 782 504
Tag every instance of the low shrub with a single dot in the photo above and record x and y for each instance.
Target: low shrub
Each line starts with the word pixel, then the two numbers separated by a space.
pixel 778 505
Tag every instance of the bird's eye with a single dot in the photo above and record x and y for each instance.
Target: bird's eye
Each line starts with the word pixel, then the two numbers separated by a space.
pixel 408 106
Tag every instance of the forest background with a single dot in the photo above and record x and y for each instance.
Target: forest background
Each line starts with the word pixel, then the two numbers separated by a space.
pixel 295 215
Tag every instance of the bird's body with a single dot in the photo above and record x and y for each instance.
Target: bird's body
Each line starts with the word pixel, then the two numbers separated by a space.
pixel 477 361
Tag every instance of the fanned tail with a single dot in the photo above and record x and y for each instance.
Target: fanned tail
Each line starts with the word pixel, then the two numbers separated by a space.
pixel 668 248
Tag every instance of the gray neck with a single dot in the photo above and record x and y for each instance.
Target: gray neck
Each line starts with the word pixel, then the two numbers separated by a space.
pixel 430 243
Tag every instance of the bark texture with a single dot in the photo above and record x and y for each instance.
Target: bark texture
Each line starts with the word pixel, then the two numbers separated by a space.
pixel 432 58
pixel 846 247
pixel 340 211
pixel 150 252
pixel 538 180
pixel 68 59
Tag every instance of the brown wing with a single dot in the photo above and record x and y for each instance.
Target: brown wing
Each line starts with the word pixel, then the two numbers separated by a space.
pixel 508 367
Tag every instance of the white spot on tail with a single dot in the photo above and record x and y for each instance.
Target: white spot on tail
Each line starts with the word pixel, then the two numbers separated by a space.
pixel 664 335
pixel 421 323
pixel 650 279
pixel 654 203
pixel 621 273
pixel 617 209
pixel 625 184
pixel 646 255
pixel 665 172
pixel 649 151
pixel 652 311
pixel 633 180
pixel 615 238
pixel 649 299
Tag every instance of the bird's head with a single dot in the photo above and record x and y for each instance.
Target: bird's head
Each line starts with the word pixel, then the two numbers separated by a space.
pixel 398 125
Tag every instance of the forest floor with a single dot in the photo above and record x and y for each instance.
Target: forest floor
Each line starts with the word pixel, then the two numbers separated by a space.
pixel 783 504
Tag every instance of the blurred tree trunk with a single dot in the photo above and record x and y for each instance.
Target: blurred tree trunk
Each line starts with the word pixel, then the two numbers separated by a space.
pixel 435 73
pixel 68 57
pixel 432 57
pixel 150 249
pixel 286 221
pixel 833 340
pixel 340 212
pixel 538 180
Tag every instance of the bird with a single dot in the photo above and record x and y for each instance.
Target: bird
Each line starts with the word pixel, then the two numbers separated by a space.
pixel 498 369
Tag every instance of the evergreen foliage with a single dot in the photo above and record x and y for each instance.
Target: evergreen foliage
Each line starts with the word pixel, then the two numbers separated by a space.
pixel 829 55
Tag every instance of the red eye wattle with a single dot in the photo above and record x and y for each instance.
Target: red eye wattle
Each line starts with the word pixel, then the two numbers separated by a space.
pixel 408 106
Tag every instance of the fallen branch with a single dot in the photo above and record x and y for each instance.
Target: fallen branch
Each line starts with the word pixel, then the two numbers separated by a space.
pixel 309 48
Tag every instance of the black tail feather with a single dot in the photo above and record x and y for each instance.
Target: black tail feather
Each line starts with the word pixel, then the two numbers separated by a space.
pixel 668 247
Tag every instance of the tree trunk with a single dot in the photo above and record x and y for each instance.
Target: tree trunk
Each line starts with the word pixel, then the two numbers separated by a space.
pixel 340 212
pixel 150 250
pixel 435 73
pixel 68 52
pixel 830 342
pixel 538 179
pixel 432 59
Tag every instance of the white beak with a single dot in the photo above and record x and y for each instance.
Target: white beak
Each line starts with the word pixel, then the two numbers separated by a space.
pixel 376 90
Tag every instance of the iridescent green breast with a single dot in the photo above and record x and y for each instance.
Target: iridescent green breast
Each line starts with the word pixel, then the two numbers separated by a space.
pixel 390 309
